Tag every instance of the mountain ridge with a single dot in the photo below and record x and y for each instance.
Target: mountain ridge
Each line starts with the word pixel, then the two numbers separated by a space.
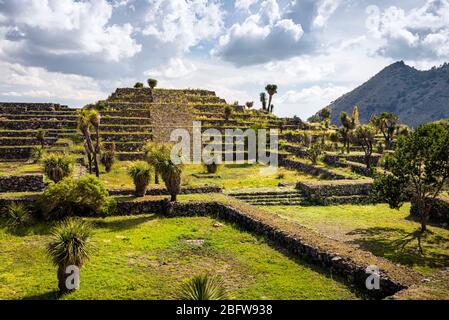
pixel 416 96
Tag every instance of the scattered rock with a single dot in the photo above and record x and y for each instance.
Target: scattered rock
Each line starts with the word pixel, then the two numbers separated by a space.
pixel 218 225
pixel 197 242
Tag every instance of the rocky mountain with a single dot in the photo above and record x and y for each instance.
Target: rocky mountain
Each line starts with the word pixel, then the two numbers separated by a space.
pixel 416 96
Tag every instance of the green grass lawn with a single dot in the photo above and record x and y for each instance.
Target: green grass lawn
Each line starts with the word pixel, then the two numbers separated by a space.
pixel 228 177
pixel 148 257
pixel 19 168
pixel 378 229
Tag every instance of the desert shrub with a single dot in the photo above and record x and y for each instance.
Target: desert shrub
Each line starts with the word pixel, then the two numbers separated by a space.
pixel 140 172
pixel 37 154
pixel 211 168
pixel 17 215
pixel 108 158
pixel 86 196
pixel 70 245
pixel 57 166
pixel 314 153
pixel 138 85
pixel 227 112
pixel 203 287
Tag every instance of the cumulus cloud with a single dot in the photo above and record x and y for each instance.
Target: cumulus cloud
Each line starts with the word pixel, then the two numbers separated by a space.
pixel 273 33
pixel 176 68
pixel 184 23
pixel 262 37
pixel 34 82
pixel 244 4
pixel 63 28
pixel 421 33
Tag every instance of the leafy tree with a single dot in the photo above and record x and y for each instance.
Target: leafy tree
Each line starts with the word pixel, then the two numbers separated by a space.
pixel 314 152
pixel 141 174
pixel 203 287
pixel 325 114
pixel 419 169
pixel 365 136
pixel 249 104
pixel 152 83
pixel 345 131
pixel 227 112
pixel 263 100
pixel 387 124
pixel 70 245
pixel 57 166
pixel 40 136
pixel 271 89
pixel 138 85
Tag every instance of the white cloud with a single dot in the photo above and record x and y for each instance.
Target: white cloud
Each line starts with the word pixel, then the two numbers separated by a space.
pixel 262 37
pixel 184 23
pixel 176 68
pixel 420 33
pixel 65 27
pixel 244 4
pixel 38 83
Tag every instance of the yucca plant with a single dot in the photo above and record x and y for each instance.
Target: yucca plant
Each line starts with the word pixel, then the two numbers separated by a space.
pixel 155 153
pixel 70 245
pixel 108 158
pixel 17 215
pixel 57 166
pixel 141 174
pixel 171 174
pixel 203 287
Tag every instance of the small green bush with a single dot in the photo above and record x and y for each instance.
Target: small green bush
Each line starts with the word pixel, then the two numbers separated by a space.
pixel 37 154
pixel 108 158
pixel 57 166
pixel 203 287
pixel 141 174
pixel 17 215
pixel 86 196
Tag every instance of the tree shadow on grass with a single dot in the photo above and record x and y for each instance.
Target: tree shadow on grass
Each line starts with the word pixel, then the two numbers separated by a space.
pixel 124 224
pixel 404 247
pixel 50 295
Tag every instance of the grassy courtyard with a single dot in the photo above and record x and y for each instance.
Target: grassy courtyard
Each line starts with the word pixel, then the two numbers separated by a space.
pixel 228 177
pixel 378 229
pixel 148 257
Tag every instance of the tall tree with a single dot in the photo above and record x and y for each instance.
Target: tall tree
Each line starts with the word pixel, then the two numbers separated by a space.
pixel 152 83
pixel 387 123
pixel 346 130
pixel 271 89
pixel 418 170
pixel 356 116
pixel 84 124
pixel 365 136
pixel 263 100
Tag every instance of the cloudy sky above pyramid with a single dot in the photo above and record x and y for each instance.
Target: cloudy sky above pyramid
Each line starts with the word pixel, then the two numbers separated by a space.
pixel 76 52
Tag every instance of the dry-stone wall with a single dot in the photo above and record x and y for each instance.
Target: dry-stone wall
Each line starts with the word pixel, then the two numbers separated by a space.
pixel 24 183
pixel 439 212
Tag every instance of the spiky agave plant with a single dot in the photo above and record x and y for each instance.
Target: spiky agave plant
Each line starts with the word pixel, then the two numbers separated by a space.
pixel 203 287
pixel 57 166
pixel 70 246
pixel 17 215
pixel 140 172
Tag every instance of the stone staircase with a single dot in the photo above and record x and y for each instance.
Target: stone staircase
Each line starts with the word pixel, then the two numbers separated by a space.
pixel 269 196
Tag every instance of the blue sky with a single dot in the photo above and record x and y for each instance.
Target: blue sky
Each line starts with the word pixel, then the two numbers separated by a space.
pixel 76 52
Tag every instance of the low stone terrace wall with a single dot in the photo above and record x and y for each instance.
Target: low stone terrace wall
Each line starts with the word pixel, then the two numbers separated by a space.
pixel 311 169
pixel 15 152
pixel 334 188
pixel 35 124
pixel 25 183
pixel 439 212
pixel 27 141
pixel 334 159
pixel 162 191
